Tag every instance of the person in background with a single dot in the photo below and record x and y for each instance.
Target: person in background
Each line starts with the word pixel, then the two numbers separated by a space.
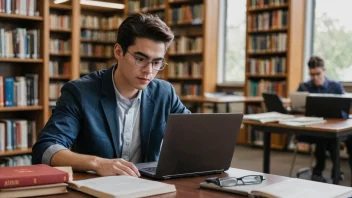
pixel 319 83
pixel 110 119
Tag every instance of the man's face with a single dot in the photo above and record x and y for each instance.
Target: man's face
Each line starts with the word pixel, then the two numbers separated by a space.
pixel 139 75
pixel 317 75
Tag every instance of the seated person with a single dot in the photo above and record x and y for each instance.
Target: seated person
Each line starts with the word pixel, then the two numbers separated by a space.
pixel 319 83
pixel 108 120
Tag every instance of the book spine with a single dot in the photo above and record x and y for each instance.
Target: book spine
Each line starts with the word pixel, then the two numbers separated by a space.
pixel 33 180
pixel 9 88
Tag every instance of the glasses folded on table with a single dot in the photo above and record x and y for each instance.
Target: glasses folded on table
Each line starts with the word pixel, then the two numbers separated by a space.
pixel 233 181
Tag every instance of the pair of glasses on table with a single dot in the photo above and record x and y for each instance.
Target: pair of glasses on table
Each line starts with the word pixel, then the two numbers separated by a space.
pixel 234 181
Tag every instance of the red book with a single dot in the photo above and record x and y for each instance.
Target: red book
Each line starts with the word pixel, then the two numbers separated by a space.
pixel 19 176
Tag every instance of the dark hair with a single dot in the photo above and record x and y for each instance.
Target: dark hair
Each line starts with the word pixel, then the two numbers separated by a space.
pixel 315 61
pixel 143 26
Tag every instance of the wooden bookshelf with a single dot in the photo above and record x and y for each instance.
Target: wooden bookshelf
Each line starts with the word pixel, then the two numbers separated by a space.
pixel 183 2
pixel 21 108
pixel 97 41
pixel 62 77
pixel 187 54
pixel 60 7
pixel 60 31
pixel 12 67
pixel 287 61
pixel 21 60
pixel 95 57
pixel 16 152
pixel 60 54
pixel 183 78
pixel 4 16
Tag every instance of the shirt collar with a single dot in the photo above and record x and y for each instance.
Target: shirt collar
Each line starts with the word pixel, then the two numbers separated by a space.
pixel 122 99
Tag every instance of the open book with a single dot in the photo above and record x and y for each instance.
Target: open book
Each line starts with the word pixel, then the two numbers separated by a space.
pixel 121 186
pixel 302 121
pixel 267 117
pixel 288 188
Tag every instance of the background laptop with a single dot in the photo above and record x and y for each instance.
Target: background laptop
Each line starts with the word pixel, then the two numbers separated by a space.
pixel 298 100
pixel 195 144
pixel 273 103
pixel 328 106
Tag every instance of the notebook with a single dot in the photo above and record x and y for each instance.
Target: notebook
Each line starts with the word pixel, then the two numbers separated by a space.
pixel 302 121
pixel 121 186
pixel 288 188
pixel 267 117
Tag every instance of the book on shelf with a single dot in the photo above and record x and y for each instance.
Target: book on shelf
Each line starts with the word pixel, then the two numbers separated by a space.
pixel 302 121
pixel 54 90
pixel 185 44
pixel 88 49
pixel 18 160
pixel 149 4
pixel 268 20
pixel 19 43
pixel 266 3
pixel 121 186
pixel 96 35
pixel 274 42
pixel 185 69
pixel 187 14
pixel 59 46
pixel 133 6
pixel 19 90
pixel 26 8
pixel 267 117
pixel 57 68
pixel 273 65
pixel 289 187
pixel 256 88
pixel 98 22
pixel 60 21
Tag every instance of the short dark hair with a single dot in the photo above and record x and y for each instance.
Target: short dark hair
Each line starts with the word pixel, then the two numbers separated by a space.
pixel 143 26
pixel 315 61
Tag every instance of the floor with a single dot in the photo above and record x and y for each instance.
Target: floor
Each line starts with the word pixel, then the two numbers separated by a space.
pixel 250 158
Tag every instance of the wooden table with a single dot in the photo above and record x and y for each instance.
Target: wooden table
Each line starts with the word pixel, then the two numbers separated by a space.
pixel 335 129
pixel 186 187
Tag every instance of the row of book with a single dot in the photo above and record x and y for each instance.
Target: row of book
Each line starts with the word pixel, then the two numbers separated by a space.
pixel 134 6
pixel 19 43
pixel 185 89
pixel 89 21
pixel 268 43
pixel 57 68
pixel 58 46
pixel 19 160
pixel 185 69
pixel 19 90
pixel 21 7
pixel 54 90
pixel 150 4
pixel 187 14
pixel 88 67
pixel 60 21
pixel 256 88
pixel 266 3
pixel 96 35
pixel 274 65
pixel 186 44
pixel 88 49
pixel 268 20
pixel 17 134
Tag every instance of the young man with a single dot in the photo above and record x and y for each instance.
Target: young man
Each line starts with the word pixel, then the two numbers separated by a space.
pixel 319 83
pixel 110 119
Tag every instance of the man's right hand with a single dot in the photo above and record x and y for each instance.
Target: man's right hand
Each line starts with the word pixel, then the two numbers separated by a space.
pixel 108 167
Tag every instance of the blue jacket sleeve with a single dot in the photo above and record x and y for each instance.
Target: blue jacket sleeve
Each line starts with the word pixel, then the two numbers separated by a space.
pixel 63 125
pixel 177 105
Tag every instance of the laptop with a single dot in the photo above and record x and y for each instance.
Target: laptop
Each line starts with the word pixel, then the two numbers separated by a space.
pixel 328 106
pixel 298 101
pixel 273 103
pixel 194 145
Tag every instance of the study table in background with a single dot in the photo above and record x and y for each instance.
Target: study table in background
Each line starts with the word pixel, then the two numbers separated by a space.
pixel 186 187
pixel 334 129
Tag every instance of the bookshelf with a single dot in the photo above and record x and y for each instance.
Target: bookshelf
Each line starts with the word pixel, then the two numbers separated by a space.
pixel 23 77
pixel 274 57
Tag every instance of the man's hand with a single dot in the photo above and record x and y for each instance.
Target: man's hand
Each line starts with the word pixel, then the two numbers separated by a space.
pixel 107 167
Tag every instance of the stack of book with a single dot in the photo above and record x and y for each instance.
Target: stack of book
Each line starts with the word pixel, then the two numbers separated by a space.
pixel 35 180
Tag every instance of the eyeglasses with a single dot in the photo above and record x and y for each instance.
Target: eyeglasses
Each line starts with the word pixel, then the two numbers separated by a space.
pixel 143 62
pixel 233 181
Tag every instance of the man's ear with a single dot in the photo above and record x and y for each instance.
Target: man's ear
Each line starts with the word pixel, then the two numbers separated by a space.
pixel 118 52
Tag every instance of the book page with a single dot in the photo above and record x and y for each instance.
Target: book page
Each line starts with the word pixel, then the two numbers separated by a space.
pixel 267 117
pixel 293 188
pixel 115 186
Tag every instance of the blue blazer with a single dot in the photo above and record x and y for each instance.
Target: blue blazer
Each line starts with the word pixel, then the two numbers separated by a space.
pixel 85 118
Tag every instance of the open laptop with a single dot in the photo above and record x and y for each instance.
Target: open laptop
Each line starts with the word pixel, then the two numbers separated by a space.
pixel 195 144
pixel 298 101
pixel 328 106
pixel 273 103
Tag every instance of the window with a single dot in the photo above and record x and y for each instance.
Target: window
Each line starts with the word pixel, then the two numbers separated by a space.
pixel 333 37
pixel 235 41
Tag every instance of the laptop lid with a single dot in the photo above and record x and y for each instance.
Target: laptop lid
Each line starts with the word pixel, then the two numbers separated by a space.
pixel 196 144
pixel 328 106
pixel 298 99
pixel 273 103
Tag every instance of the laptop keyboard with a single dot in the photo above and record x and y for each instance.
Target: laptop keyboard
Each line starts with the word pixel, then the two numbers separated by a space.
pixel 151 169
